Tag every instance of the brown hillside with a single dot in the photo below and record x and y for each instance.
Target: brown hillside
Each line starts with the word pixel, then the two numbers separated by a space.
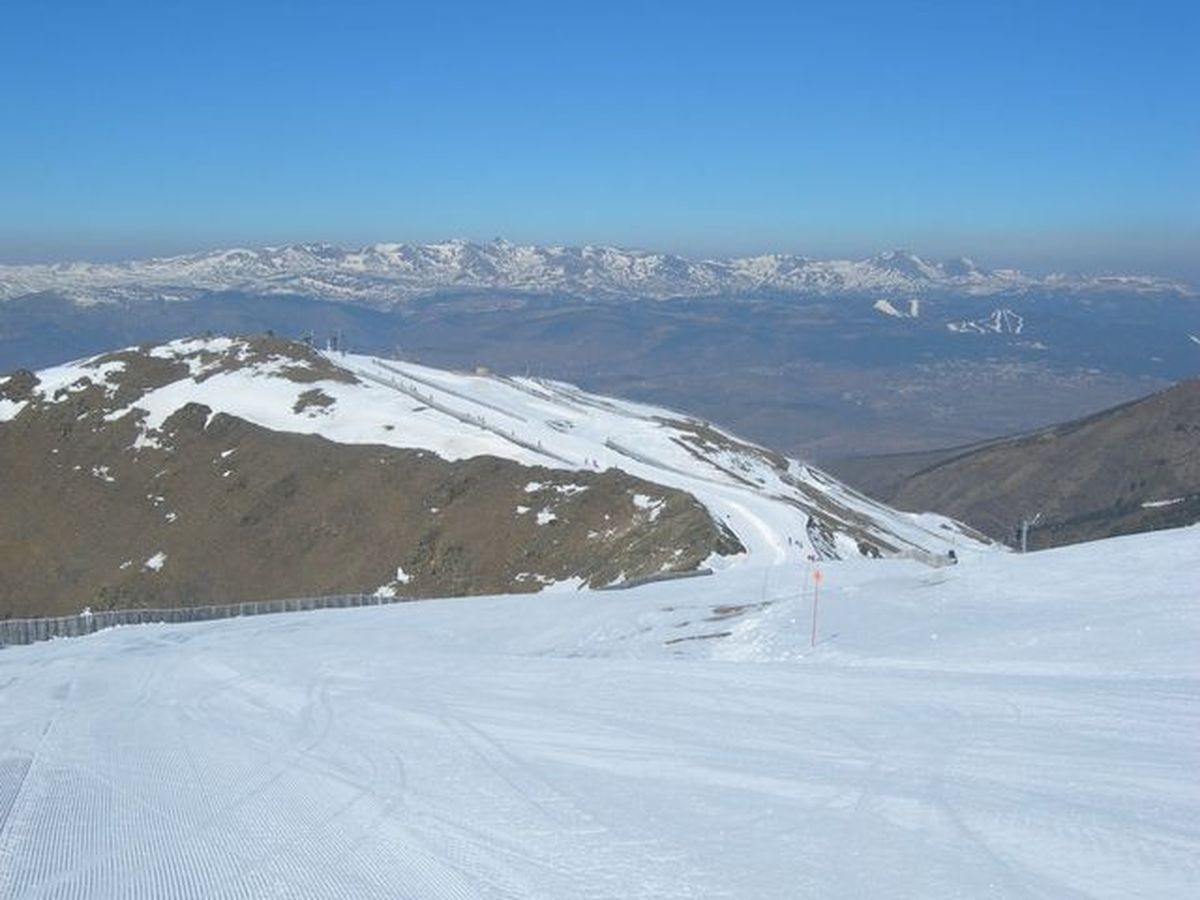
pixel 1132 468
pixel 227 511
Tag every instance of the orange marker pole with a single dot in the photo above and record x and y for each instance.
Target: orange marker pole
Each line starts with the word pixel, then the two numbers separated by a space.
pixel 816 587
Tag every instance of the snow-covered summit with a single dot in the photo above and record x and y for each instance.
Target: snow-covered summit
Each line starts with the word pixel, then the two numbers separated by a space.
pixel 384 274
pixel 778 508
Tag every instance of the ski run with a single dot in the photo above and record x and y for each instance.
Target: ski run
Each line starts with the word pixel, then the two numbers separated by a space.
pixel 1010 727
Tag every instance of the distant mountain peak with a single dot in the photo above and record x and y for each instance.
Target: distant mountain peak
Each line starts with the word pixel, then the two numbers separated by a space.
pixel 908 264
pixel 963 267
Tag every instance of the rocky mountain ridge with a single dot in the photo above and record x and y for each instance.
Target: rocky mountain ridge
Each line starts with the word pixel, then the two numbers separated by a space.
pixel 220 470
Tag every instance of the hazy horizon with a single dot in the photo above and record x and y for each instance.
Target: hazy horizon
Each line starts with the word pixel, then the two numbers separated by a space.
pixel 1031 136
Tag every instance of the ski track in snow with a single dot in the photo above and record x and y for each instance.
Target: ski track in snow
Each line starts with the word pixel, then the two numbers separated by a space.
pixel 1011 727
pixel 601 430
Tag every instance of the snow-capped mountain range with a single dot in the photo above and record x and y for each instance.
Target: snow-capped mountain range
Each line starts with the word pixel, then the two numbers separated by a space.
pixel 388 273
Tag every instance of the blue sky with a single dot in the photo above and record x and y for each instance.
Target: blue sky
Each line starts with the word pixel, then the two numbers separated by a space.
pixel 1060 135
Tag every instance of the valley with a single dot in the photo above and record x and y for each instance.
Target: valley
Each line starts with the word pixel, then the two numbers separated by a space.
pixel 791 352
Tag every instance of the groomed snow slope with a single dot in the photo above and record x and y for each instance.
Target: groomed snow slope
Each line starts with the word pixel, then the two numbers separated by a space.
pixel 1012 727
